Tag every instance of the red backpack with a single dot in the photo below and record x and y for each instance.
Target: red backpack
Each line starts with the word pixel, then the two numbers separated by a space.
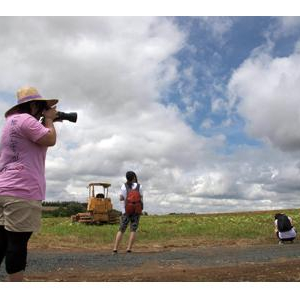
pixel 133 203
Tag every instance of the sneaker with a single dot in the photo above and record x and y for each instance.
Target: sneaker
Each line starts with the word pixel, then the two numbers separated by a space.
pixel 115 251
pixel 280 242
pixel 128 251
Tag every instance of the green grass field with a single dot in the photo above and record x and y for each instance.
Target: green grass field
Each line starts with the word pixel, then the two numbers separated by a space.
pixel 165 231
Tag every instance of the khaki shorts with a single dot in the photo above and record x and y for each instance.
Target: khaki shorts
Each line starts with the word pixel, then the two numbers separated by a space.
pixel 19 215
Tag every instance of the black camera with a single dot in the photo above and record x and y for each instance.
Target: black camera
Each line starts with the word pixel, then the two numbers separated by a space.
pixel 72 116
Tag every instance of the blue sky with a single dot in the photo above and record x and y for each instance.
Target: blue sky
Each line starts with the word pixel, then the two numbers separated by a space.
pixel 220 53
pixel 204 109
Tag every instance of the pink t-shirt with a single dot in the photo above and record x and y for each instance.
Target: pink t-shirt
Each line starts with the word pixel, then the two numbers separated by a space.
pixel 22 160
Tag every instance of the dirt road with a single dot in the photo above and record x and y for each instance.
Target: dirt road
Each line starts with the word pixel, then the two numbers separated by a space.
pixel 226 263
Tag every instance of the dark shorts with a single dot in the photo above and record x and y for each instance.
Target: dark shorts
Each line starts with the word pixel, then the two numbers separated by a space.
pixel 133 220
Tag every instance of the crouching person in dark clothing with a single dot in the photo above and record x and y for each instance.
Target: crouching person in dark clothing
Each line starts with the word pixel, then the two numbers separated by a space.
pixel 284 229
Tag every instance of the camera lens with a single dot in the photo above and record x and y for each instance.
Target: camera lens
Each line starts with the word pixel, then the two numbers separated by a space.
pixel 71 117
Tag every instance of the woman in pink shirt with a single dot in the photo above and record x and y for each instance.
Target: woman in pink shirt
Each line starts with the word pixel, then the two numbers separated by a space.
pixel 23 148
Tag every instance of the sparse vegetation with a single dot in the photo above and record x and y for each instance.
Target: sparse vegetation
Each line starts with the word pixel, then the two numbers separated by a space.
pixel 178 230
pixel 62 209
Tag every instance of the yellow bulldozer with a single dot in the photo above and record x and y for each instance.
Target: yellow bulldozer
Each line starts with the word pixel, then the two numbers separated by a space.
pixel 99 207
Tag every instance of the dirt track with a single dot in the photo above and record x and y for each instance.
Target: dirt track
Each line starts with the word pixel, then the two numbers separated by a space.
pixel 226 263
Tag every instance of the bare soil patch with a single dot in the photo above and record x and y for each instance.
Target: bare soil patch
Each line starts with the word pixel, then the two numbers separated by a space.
pixel 288 271
pixel 234 263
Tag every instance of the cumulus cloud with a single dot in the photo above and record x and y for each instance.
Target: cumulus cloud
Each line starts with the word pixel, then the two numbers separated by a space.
pixel 207 123
pixel 266 90
pixel 286 26
pixel 217 26
pixel 114 73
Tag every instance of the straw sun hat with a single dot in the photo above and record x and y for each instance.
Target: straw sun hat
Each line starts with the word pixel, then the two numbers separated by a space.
pixel 28 94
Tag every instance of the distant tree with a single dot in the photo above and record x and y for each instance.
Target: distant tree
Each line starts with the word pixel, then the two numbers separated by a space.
pixel 65 209
pixel 74 208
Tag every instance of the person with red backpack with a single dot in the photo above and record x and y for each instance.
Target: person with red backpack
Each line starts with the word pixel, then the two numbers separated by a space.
pixel 132 198
pixel 284 229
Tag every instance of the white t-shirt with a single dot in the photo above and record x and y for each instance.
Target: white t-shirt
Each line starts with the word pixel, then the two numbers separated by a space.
pixel 124 193
pixel 286 234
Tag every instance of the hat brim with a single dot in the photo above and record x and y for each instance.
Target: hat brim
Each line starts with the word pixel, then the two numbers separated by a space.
pixel 50 103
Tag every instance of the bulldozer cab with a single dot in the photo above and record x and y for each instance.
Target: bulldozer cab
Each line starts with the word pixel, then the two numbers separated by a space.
pixel 99 202
pixel 92 189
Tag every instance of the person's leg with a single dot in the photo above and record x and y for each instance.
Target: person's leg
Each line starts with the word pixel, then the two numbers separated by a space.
pixel 3 237
pixel 123 225
pixel 131 240
pixel 280 241
pixel 133 228
pixel 16 277
pixel 16 254
pixel 289 240
pixel 118 240
pixel 3 243
pixel 21 217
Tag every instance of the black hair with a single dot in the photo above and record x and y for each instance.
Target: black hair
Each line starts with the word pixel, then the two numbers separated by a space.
pixel 41 106
pixel 276 217
pixel 131 178
pixel 25 107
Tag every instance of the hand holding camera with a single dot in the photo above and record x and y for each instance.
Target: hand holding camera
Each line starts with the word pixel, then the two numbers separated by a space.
pixel 50 113
pixel 59 116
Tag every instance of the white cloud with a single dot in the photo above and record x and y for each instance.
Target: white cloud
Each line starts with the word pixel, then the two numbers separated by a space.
pixel 217 26
pixel 207 123
pixel 113 72
pixel 286 26
pixel 211 184
pixel 267 91
pixel 289 22
pixel 218 105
